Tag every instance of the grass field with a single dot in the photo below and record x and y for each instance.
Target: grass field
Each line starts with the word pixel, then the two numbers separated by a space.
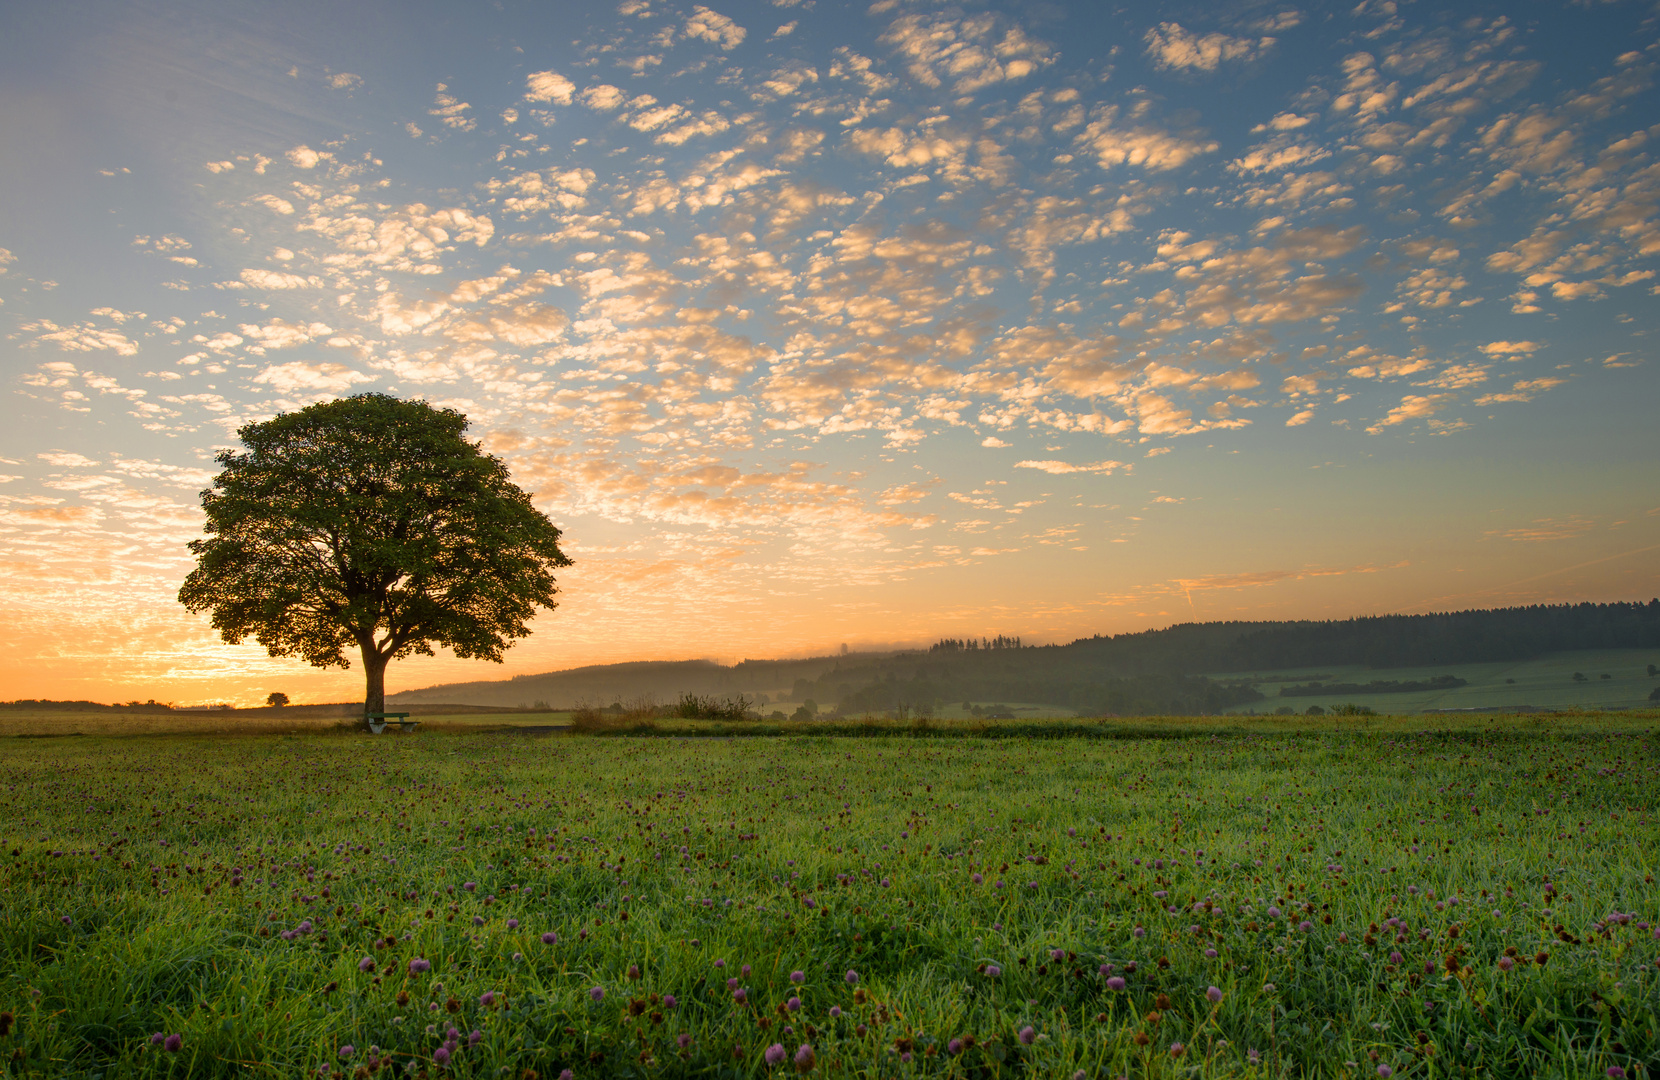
pixel 1440 896
pixel 1546 682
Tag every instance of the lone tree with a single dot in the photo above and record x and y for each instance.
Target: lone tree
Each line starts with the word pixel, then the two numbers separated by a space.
pixel 370 523
pixel 276 699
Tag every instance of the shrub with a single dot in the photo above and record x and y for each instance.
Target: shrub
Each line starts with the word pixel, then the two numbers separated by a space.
pixel 699 707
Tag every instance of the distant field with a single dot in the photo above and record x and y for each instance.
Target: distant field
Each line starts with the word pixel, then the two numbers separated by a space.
pixel 1543 683
pixel 57 722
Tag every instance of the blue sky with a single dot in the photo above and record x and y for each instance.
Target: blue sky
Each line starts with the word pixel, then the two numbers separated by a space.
pixel 819 322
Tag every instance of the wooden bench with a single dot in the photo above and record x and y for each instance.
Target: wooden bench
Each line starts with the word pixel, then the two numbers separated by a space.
pixel 378 721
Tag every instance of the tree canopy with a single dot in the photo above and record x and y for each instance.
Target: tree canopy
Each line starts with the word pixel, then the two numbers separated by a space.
pixel 370 523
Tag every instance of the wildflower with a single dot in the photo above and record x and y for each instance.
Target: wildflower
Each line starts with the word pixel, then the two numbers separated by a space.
pixel 1214 994
pixel 597 994
pixel 566 1074
pixel 798 976
pixel 1139 932
pixel 441 1056
pixel 172 1043
pixel 419 966
pixel 512 924
pixel 1305 926
pixel 1273 912
pixel 993 971
pixel 470 886
pixel 1616 1072
pixel 157 1038
pixel 1057 954
pixel 683 1040
pixel 487 999
pixel 775 1054
pixel 633 971
pixel 1211 954
pixel 1505 963
pixel 1027 1036
pixel 740 995
pixel 478 920
pixel 835 1012
pixel 794 1004
pixel 366 964
pixel 851 977
pixel 804 1059
pixel 1385 1071
pixel 954 1047
pixel 1115 983
pixel 1177 1050
pixel 347 1051
pixel 976 878
pixel 669 1001
pixel 550 938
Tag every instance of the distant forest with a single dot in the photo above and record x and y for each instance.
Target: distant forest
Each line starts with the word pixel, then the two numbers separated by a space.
pixel 1158 671
pixel 1183 669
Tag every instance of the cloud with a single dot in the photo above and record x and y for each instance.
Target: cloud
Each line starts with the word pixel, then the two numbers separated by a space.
pixel 345 80
pixel 272 279
pixel 1543 530
pixel 278 334
pixel 970 53
pixel 994 442
pixel 1510 348
pixel 451 111
pixel 549 86
pixel 1062 468
pixel 1113 144
pixel 1525 390
pixel 66 459
pixel 304 157
pixel 83 337
pixel 603 97
pixel 1413 407
pixel 298 375
pixel 1171 46
pixel 715 28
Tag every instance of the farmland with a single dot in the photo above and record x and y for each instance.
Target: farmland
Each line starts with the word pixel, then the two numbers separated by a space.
pixel 1224 897
pixel 1611 679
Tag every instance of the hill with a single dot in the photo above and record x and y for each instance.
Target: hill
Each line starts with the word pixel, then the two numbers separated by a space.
pixel 1155 671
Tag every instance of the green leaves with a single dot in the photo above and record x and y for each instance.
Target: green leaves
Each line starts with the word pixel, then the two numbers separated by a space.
pixel 370 522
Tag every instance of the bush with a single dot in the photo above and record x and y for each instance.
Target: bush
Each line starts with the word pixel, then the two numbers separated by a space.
pixel 698 707
pixel 1314 710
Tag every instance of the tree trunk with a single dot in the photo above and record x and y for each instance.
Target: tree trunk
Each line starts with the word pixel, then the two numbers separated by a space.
pixel 374 673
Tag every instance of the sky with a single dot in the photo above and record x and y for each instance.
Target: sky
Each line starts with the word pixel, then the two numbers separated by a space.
pixel 816 323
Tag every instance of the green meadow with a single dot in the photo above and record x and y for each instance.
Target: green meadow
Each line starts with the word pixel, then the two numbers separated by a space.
pixel 1232 897
pixel 1546 683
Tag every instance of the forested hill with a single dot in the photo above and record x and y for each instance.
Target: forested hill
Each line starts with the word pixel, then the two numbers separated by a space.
pixel 1151 671
pixel 1154 670
pixel 1381 641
